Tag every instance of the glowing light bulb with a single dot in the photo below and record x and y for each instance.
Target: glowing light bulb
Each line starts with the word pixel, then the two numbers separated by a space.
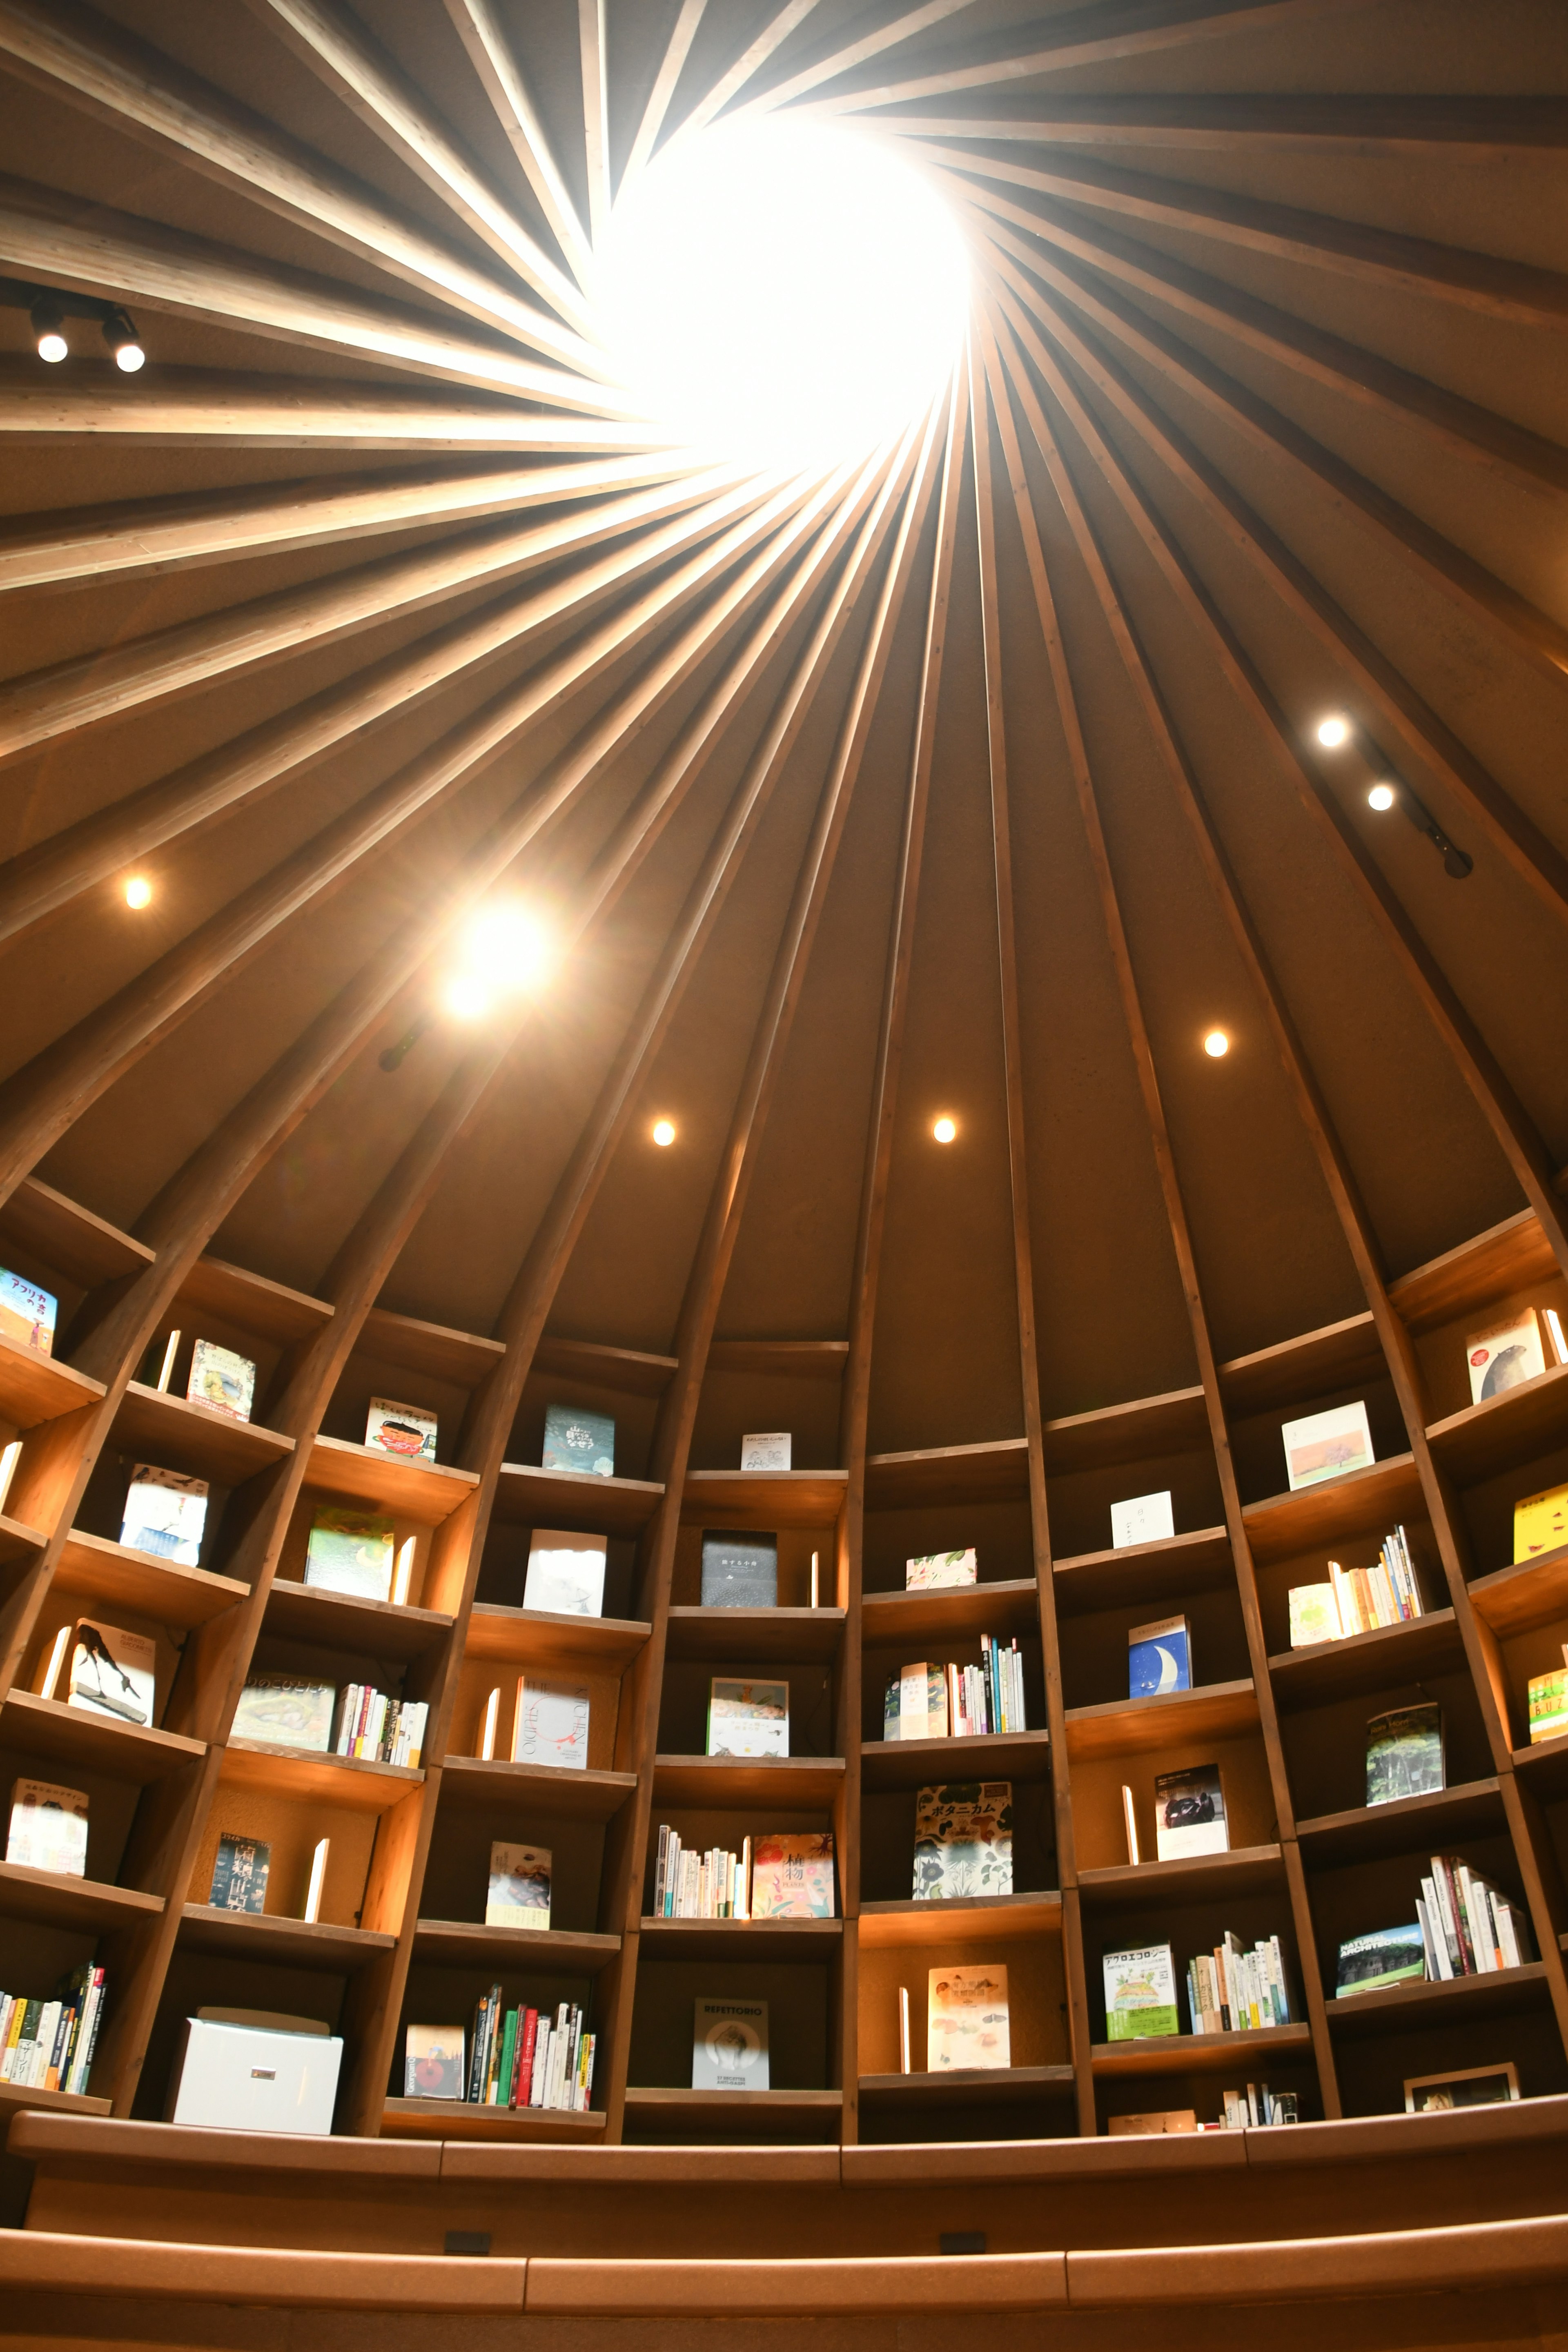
pixel 1381 796
pixel 944 1128
pixel 1332 732
pixel 48 327
pixel 1216 1044
pixel 467 997
pixel 121 336
pixel 53 348
pixel 663 1130
pixel 138 891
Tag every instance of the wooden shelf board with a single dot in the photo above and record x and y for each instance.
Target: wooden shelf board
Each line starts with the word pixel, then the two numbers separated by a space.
pixel 1165 1570
pixel 354 1782
pixel 1139 1727
pixel 469 1943
pixel 1404 2008
pixel 996 1471
pixel 1389 1655
pixel 428 1491
pixel 432 1350
pixel 542 1637
pixel 1479 1271
pixel 1203 2053
pixel 1380 1495
pixel 968 1919
pixel 712 2116
pixel 810 1360
pixel 17 1539
pixel 58 1901
pixel 813 1940
pixel 774 1635
pixel 1190 1878
pixel 455 2119
pixel 968 2087
pixel 377 1629
pixel 1144 1428
pixel 920 1763
pixel 86 1248
pixel 117 1576
pixel 256 1303
pixel 35 1388
pixel 530 1498
pixel 151 1426
pixel 1293 1371
pixel 789 1498
pixel 893 1619
pixel 70 1735
pixel 549 1789
pixel 56 2103
pixel 628 1370
pixel 281 1942
pixel 1531 1593
pixel 1544 1766
pixel 1407 1824
pixel 700 1783
pixel 1505 1429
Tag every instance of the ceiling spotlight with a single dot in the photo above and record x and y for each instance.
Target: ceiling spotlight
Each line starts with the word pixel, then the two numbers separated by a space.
pixel 468 996
pixel 120 335
pixel 1216 1044
pixel 505 948
pixel 1381 796
pixel 138 891
pixel 944 1128
pixel 48 326
pixel 1332 732
pixel 664 1131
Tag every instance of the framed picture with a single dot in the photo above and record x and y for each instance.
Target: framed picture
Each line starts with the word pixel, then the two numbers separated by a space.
pixel 1472 2086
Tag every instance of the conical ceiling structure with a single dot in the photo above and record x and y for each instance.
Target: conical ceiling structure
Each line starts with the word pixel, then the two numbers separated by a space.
pixel 979 779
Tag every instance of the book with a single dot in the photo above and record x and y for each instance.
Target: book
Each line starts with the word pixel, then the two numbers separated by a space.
pixel 27 1313
pixel 240 1874
pixel 1189 1813
pixel 747 1718
pixel 1152 2127
pixel 386 1730
pixel 1233 1990
pixel 964 1841
pixel 740 1571
pixel 316 1884
pixel 1504 1354
pixel 285 1711
pixel 1130 1817
pixel 966 2018
pixel 934 1571
pixel 766 1450
pixel 1140 1993
pixel 551 1725
pixel 1388 1956
pixel 792 1876
pixel 165 1514
pixel 1405 1754
pixel 730 2045
pixel 1143 1518
pixel 1540 1523
pixel 922 1707
pixel 1327 1446
pixel 1159 1658
pixel 1471 2086
pixel 349 1552
pixel 405 1431
pixel 1548 1701
pixel 433 2061
pixel 221 1379
pixel 566 1573
pixel 48 1828
pixel 1386 1593
pixel 111 1673
pixel 1314 1615
pixel 576 1440
pixel 518 1891
pixel 691 1885
pixel 1469 1925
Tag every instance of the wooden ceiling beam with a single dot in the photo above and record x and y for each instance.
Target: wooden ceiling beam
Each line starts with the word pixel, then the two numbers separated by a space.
pixel 1263 124
pixel 1512 832
pixel 478 28
pixel 93 688
pixel 838 56
pixel 751 61
pixel 76 54
pixel 592 47
pixel 671 66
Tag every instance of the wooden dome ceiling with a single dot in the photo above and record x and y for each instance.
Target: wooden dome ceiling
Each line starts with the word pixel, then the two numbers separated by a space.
pixel 362 599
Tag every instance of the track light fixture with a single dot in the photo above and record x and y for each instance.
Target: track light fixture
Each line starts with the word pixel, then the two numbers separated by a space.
pixel 120 333
pixel 1390 791
pixel 49 327
pixel 48 308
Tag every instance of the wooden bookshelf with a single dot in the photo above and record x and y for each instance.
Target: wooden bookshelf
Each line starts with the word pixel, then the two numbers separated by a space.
pixel 586 1796
pixel 743 1942
pixel 111 1574
pixel 427 1491
pixel 958 1613
pixel 785 1782
pixel 378 1628
pixel 265 1937
pixel 1473 1809
pixel 532 1498
pixel 1246 1870
pixel 557 1951
pixel 178 1435
pixel 1531 1593
pixel 455 2119
pixel 966 2086
pixel 948 1474
pixel 794 1498
pixel 96 1743
pixel 1165 1571
pixel 1204 2054
pixel 1506 1430
pixel 35 1388
pixel 991 1755
pixel 776 1635
pixel 58 1900
pixel 984 1918
pixel 1501 1993
pixel 1138 1726
pixel 541 1638
pixel 1387 1656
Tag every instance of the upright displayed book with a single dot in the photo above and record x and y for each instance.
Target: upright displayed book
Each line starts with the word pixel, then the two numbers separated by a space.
pixel 730 2045
pixel 740 1571
pixel 551 1725
pixel 792 1876
pixel 747 1718
pixel 433 2061
pixel 1388 1956
pixel 1140 1993
pixel 406 1431
pixel 111 1673
pixel 222 1380
pixel 1159 1658
pixel 1189 1813
pixel 1405 1754
pixel 1327 1446
pixel 278 1710
pixel 935 1572
pixel 576 1440
pixel 1540 1523
pixel 768 1449
pixel 48 1829
pixel 1504 1355
pixel 922 1709
pixel 240 1872
pixel 165 1514
pixel 964 1841
pixel 1143 1518
pixel 27 1313
pixel 1547 1702
pixel 518 1891
pixel 566 1573
pixel 966 2019
pixel 349 1552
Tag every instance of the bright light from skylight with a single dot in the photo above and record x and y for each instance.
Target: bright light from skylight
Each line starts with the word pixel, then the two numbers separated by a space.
pixel 783 292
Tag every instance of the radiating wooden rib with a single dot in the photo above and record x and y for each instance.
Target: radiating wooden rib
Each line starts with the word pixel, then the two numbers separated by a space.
pixel 752 60
pixel 1485 282
pixel 40 1099
pixel 1260 124
pixel 1087 795
pixel 94 688
pixel 1506 1115
pixel 1462 426
pixel 591 49
pixel 337 48
pixel 1513 832
pixel 161 534
pixel 492 56
pixel 832 58
pixel 76 54
pixel 65 242
pixel 677 50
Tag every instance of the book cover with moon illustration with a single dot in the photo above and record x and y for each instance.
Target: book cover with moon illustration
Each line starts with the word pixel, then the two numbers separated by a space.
pixel 1159 1658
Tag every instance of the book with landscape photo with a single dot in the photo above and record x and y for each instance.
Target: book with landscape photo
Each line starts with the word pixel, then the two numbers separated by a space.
pixel 566 1573
pixel 349 1552
pixel 578 1440
pixel 27 1313
pixel 730 2045
pixel 747 1718
pixel 551 1725
pixel 792 1876
pixel 1159 1658
pixel 1314 1615
pixel 111 1673
pixel 165 1514
pixel 518 1892
pixel 278 1710
pixel 240 1871
pixel 1140 1993
pixel 966 2018
pixel 1190 1813
pixel 1405 1754
pixel 1389 1956
pixel 1327 1446
pixel 221 1379
pixel 406 1431
pixel 935 1572
pixel 740 1571
pixel 964 1841
pixel 48 1828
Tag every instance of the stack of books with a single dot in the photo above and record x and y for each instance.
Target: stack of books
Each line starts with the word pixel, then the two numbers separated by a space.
pixel 691 1885
pixel 1357 1599
pixel 524 2060
pixel 48 2045
pixel 931 1701
pixel 1468 1927
pixel 387 1730
pixel 1230 1990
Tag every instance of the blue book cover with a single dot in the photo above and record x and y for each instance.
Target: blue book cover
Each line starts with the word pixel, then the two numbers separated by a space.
pixel 1159 1658
pixel 576 1440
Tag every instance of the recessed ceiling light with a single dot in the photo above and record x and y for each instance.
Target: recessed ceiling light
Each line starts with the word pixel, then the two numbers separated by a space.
pixel 1332 732
pixel 1381 796
pixel 468 996
pixel 664 1131
pixel 138 891
pixel 944 1128
pixel 1216 1044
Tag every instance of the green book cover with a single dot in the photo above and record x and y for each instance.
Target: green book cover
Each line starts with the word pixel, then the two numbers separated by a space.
pixel 1405 1754
pixel 1140 1993
pixel 349 1552
pixel 502 2089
